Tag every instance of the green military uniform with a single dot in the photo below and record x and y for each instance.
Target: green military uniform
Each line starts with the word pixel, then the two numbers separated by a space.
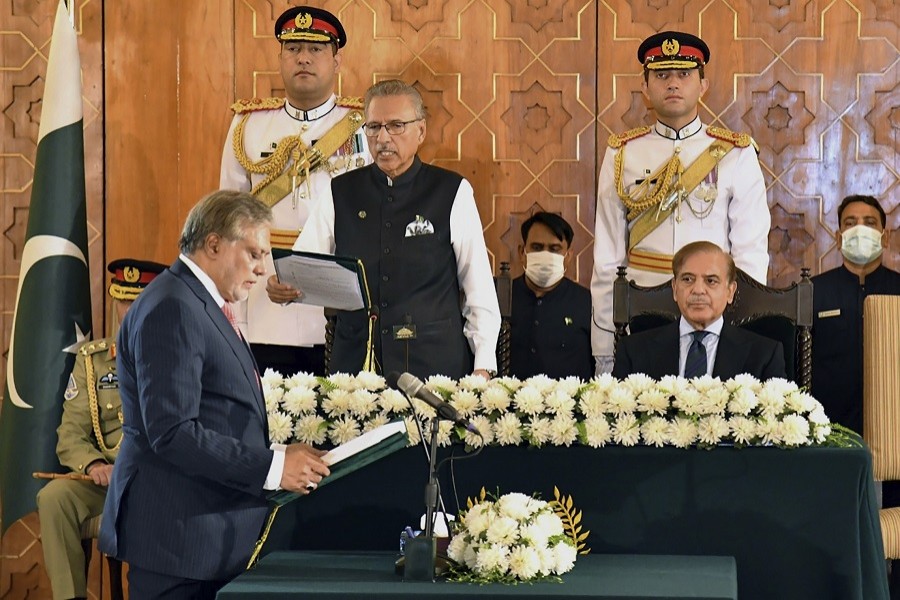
pixel 92 405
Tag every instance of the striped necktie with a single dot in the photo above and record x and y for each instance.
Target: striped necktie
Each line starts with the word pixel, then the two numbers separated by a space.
pixel 695 365
pixel 229 314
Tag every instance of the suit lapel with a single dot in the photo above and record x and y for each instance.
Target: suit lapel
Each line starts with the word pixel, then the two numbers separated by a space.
pixel 731 355
pixel 668 350
pixel 236 343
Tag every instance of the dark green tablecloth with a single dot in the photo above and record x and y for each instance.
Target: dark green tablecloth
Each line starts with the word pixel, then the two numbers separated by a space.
pixel 318 575
pixel 802 524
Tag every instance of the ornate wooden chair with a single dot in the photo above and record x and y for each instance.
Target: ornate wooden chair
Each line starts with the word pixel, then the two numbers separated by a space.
pixel 90 530
pixel 783 314
pixel 881 403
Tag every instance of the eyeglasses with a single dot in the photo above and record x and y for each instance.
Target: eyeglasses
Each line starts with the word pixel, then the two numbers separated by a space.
pixel 392 127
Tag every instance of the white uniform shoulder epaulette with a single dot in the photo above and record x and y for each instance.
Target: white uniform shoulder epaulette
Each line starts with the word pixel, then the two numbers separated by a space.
pixel 255 104
pixel 349 101
pixel 741 140
pixel 617 140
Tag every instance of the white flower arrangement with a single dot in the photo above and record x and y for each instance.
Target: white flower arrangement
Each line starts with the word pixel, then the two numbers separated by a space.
pixel 513 538
pixel 637 410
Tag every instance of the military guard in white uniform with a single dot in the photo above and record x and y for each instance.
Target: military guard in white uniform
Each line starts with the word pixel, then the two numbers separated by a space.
pixel 672 183
pixel 285 151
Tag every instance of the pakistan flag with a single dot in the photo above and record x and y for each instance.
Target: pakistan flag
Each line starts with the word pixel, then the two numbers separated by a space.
pixel 53 303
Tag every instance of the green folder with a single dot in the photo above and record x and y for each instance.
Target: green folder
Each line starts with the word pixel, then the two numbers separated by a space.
pixel 390 444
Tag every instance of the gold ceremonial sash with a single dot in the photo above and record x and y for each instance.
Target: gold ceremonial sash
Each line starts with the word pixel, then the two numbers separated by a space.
pixel 654 216
pixel 650 261
pixel 283 238
pixel 277 190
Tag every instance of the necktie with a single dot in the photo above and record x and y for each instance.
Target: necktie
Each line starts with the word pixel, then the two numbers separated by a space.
pixel 229 314
pixel 695 365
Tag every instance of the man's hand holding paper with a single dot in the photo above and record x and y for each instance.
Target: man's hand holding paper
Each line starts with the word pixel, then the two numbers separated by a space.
pixel 281 293
pixel 303 468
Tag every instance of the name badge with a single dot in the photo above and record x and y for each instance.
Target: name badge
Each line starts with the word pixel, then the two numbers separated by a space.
pixel 824 314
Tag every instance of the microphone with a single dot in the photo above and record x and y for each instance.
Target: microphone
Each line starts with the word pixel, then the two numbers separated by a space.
pixel 413 387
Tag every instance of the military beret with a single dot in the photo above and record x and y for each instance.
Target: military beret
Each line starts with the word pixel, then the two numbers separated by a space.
pixel 130 276
pixel 308 24
pixel 673 50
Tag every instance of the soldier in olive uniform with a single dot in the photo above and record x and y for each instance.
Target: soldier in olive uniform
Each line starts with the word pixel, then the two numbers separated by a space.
pixel 89 437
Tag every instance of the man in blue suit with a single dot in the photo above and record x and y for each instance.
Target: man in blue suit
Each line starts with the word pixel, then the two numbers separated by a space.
pixel 187 498
pixel 700 343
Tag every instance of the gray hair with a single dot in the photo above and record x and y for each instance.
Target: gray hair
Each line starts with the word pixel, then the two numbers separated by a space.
pixel 224 212
pixel 395 87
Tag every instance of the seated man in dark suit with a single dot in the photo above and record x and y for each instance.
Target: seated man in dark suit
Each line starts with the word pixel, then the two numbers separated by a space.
pixel 700 343
pixel 551 315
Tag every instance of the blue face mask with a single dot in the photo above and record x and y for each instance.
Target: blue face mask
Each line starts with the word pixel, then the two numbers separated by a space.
pixel 861 244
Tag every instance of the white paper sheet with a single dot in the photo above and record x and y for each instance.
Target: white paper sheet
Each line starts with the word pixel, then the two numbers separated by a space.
pixel 322 281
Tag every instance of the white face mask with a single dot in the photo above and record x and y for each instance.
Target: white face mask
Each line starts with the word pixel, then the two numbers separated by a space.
pixel 544 269
pixel 861 244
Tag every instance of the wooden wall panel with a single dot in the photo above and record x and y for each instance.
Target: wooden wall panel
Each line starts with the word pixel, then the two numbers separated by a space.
pixel 522 95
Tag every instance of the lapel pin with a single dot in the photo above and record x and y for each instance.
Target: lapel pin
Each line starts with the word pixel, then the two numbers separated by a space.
pixel 362 214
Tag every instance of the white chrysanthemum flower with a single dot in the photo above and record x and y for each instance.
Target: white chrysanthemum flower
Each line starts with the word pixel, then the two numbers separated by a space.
pixel 543 384
pixel 524 562
pixel 621 400
pixel 712 429
pixel 743 401
pixel 769 430
pixel 714 400
pixel 375 422
pixel 271 378
pixel 638 383
pixel 817 416
pixel 490 558
pixel 504 530
pixel 457 547
pixel 795 430
pixel 687 401
pixel 470 556
pixel 368 380
pixel 362 403
pixel 300 400
pixel 564 555
pixel 343 430
pixel 771 402
pixel 682 432
pixel 412 431
pixel 479 518
pixel 653 401
pixel 311 429
pixel 483 425
pixel 705 383
pixel 536 535
pixel 301 379
pixel 495 398
pixel 273 398
pixel 743 429
pixel 423 409
pixel 441 384
pixel 672 385
pixel 343 381
pixel 393 402
pixel 569 385
pixel 445 430
pixel 801 402
pixel 538 430
pixel 597 432
pixel 744 380
pixel 473 383
pixel 465 402
pixel 336 403
pixel 655 431
pixel 529 401
pixel 592 403
pixel 560 403
pixel 821 433
pixel 780 386
pixel 626 430
pixel 515 506
pixel 563 430
pixel 510 383
pixel 508 430
pixel 548 560
pixel 273 394
pixel 280 427
pixel 604 382
pixel 547 520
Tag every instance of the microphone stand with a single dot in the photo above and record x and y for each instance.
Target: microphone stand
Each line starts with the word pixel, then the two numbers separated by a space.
pixel 420 552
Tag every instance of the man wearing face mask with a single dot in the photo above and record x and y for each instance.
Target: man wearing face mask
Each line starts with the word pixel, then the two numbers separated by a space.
pixel 838 295
pixel 551 315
